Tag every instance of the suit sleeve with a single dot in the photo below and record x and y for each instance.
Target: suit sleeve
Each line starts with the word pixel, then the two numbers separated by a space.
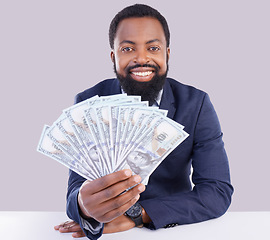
pixel 74 183
pixel 211 194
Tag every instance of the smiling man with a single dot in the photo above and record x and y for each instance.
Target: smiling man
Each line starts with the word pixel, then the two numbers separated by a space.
pixel 140 39
pixel 140 56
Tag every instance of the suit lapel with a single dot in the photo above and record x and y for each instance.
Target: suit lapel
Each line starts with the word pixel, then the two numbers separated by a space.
pixel 167 100
pixel 115 87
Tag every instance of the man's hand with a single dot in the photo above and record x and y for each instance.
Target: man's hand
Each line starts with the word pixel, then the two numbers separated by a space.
pixel 70 226
pixel 104 199
pixel 119 224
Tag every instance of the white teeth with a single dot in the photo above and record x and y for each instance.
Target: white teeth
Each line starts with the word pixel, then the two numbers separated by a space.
pixel 142 74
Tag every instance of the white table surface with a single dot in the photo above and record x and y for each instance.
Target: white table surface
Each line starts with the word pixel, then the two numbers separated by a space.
pixel 233 225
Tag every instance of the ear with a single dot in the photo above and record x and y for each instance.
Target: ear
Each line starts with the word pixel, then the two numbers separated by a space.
pixel 112 55
pixel 168 53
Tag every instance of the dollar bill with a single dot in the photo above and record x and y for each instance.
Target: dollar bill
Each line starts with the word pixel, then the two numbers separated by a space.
pixel 153 147
pixel 125 123
pixel 85 140
pixel 91 120
pixel 61 142
pixel 104 134
pixel 104 125
pixel 47 147
pixel 142 118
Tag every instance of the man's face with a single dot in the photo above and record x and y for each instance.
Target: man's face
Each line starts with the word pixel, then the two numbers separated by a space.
pixel 94 154
pixel 140 41
pixel 140 54
pixel 138 161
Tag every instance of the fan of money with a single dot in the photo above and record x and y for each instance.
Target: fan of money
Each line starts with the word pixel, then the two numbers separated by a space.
pixel 105 134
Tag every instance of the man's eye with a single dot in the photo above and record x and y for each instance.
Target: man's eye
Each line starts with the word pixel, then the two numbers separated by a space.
pixel 154 49
pixel 127 49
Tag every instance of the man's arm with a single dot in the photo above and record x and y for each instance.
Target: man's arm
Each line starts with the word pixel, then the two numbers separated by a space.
pixel 119 224
pixel 211 195
pixel 101 200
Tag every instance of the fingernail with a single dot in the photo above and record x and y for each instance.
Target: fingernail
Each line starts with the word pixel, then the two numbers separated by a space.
pixel 128 173
pixel 141 187
pixel 137 178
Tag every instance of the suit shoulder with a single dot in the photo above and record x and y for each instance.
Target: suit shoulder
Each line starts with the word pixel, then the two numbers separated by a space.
pixel 103 88
pixel 185 90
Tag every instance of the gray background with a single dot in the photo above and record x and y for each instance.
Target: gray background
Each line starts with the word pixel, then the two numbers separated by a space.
pixel 50 50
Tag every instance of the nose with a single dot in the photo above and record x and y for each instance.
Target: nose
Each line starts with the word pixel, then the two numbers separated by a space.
pixel 141 56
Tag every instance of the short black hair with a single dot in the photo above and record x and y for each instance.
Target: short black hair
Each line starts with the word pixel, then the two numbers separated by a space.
pixel 137 10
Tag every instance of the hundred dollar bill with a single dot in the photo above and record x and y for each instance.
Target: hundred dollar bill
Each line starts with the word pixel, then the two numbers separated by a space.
pixel 124 122
pixel 147 118
pixel 81 129
pixel 97 119
pixel 103 132
pixel 112 98
pixel 103 124
pixel 66 128
pixel 152 148
pixel 113 113
pixel 120 127
pixel 75 115
pixel 61 142
pixel 127 132
pixel 47 147
pixel 142 119
pixel 104 129
pixel 91 120
pixel 84 135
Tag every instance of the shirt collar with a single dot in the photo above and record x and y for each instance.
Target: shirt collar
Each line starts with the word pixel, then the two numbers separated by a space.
pixel 158 100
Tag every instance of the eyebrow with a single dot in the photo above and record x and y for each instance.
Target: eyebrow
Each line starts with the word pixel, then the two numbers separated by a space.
pixel 127 41
pixel 131 42
pixel 154 40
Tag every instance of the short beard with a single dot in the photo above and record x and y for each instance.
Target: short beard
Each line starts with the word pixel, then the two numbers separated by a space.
pixel 147 90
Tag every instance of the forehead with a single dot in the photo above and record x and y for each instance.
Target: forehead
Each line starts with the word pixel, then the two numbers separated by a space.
pixel 139 30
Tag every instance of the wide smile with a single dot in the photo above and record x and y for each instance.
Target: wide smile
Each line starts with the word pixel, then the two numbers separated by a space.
pixel 141 74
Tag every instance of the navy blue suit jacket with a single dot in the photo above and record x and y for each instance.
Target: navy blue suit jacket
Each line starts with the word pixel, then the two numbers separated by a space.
pixel 169 196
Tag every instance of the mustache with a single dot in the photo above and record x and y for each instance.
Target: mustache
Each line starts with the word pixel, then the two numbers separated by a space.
pixel 143 65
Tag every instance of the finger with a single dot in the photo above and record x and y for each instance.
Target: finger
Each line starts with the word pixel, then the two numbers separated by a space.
pixel 111 198
pixel 122 199
pixel 78 234
pixel 118 211
pixel 56 227
pixel 99 184
pixel 117 189
pixel 68 230
pixel 71 227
